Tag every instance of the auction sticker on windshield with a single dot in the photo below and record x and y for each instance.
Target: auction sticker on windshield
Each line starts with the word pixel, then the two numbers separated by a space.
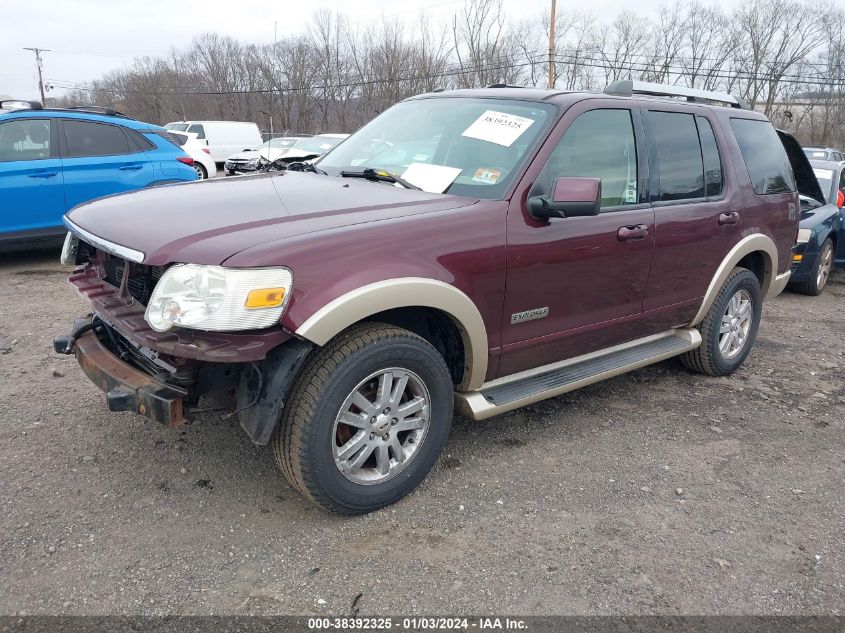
pixel 487 176
pixel 498 127
pixel 431 178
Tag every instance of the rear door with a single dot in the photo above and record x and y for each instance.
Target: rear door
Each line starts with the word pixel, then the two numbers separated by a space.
pixel 100 159
pixel 697 213
pixel 30 177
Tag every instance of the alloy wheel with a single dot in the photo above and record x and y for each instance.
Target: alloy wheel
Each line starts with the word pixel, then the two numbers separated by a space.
pixel 736 324
pixel 825 265
pixel 381 426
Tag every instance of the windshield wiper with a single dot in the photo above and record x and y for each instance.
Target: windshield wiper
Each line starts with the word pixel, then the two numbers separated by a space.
pixel 380 175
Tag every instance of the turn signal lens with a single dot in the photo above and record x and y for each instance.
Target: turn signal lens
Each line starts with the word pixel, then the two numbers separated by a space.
pixel 797 258
pixel 265 298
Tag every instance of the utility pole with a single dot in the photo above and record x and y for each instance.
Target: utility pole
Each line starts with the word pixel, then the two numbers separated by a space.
pixel 552 23
pixel 38 52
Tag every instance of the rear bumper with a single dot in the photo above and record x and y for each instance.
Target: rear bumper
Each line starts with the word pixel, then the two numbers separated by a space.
pixel 127 388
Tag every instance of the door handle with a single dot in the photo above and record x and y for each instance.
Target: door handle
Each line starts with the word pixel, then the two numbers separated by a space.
pixel 134 167
pixel 731 217
pixel 43 174
pixel 632 233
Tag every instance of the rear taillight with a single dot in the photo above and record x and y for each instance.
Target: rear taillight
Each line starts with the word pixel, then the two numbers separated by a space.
pixel 186 159
pixel 840 199
pixel 206 150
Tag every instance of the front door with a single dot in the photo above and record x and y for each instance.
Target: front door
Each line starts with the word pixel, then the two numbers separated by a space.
pixel 576 285
pixel 30 179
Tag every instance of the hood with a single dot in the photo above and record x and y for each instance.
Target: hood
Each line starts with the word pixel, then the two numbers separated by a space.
pixel 207 222
pixel 805 178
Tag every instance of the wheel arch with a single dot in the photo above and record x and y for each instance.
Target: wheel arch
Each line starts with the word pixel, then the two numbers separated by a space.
pixel 407 293
pixel 756 252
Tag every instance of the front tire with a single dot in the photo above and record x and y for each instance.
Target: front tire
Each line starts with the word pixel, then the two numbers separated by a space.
pixel 366 419
pixel 729 328
pixel 819 274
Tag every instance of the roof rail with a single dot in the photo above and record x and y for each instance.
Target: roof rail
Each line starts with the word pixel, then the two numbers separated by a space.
pixel 95 109
pixel 20 104
pixel 628 87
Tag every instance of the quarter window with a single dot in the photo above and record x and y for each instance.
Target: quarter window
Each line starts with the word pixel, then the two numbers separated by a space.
pixel 24 139
pixel 598 144
pixel 679 165
pixel 765 158
pixel 713 180
pixel 86 138
pixel 198 130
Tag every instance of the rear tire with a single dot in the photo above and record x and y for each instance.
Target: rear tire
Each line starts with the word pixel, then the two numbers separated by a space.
pixel 729 328
pixel 366 419
pixel 819 274
pixel 201 173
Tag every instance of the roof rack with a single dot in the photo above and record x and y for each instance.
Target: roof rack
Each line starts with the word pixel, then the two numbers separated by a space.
pixel 20 104
pixel 628 87
pixel 504 86
pixel 95 109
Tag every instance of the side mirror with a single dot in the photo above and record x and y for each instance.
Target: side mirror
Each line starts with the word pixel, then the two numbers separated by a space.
pixel 571 197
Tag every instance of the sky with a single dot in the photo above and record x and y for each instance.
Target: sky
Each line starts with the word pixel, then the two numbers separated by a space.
pixel 87 38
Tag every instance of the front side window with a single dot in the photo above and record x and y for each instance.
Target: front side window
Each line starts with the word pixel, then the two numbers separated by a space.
pixel 87 138
pixel 457 145
pixel 24 139
pixel 598 144
pixel 677 153
pixel 764 155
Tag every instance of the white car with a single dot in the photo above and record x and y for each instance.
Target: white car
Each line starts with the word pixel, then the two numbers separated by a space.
pixel 248 159
pixel 313 146
pixel 204 164
pixel 223 138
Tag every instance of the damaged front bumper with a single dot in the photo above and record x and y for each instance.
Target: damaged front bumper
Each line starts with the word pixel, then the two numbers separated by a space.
pixel 126 388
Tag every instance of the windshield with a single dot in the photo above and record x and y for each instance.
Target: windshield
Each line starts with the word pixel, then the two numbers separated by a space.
pixel 179 127
pixel 462 146
pixel 317 144
pixel 825 178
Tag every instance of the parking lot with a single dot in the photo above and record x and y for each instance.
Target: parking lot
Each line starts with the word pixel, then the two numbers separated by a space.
pixel 656 492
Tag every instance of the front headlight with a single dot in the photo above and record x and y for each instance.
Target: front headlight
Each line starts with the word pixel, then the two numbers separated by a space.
pixel 253 162
pixel 803 236
pixel 218 298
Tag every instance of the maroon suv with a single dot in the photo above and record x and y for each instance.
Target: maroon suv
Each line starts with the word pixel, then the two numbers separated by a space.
pixel 486 248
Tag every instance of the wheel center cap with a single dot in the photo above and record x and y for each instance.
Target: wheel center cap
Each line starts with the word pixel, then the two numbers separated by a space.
pixel 381 425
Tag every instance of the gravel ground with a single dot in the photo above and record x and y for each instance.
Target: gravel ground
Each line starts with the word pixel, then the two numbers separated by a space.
pixel 659 492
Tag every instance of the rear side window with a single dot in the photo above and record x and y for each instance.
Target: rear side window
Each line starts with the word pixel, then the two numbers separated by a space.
pixel 86 138
pixel 139 141
pixel 677 154
pixel 198 130
pixel 24 139
pixel 764 156
pixel 713 180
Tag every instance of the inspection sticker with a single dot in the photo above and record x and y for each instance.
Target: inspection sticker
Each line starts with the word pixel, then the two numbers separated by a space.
pixel 498 127
pixel 487 176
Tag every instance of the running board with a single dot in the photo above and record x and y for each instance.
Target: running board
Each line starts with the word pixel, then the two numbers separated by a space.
pixel 517 390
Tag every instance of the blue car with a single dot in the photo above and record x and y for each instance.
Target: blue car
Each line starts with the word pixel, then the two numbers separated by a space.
pixel 820 247
pixel 54 159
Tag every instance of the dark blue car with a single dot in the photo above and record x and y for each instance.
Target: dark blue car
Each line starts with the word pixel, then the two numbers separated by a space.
pixel 821 234
pixel 52 160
